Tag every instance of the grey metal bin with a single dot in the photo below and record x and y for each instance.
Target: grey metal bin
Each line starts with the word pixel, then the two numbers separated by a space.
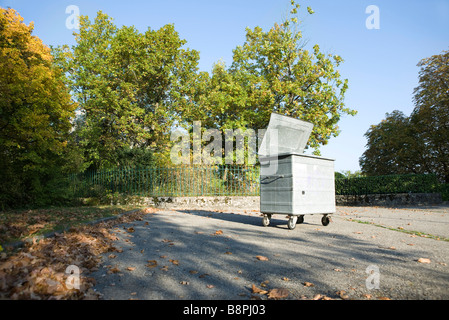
pixel 293 183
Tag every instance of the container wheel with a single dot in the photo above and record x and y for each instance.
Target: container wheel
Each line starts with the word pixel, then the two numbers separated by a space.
pixel 292 222
pixel 300 219
pixel 325 220
pixel 266 220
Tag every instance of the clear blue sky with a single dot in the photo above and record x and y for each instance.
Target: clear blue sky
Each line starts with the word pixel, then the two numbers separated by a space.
pixel 379 63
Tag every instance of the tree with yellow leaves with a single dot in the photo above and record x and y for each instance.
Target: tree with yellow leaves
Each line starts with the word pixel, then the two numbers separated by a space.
pixel 35 113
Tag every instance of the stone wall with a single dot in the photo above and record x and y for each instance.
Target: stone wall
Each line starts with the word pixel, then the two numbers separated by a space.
pixel 253 202
pixel 399 199
pixel 214 202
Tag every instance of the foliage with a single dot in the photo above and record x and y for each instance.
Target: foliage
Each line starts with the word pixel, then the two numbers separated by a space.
pixel 348 174
pixel 35 113
pixel 42 267
pixel 431 114
pixel 20 224
pixel 339 175
pixel 389 184
pixel 444 190
pixel 392 148
pixel 272 72
pixel 129 86
pixel 418 143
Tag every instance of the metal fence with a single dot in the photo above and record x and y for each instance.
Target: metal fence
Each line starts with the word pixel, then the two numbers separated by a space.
pixel 225 180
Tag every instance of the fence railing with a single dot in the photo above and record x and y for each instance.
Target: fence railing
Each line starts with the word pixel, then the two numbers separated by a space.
pixel 216 180
pixel 224 180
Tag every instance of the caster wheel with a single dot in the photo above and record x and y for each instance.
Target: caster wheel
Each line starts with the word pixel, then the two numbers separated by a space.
pixel 292 222
pixel 325 220
pixel 266 220
pixel 300 219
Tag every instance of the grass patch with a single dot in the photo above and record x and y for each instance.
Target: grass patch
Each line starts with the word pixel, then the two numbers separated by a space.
pixel 416 233
pixel 16 225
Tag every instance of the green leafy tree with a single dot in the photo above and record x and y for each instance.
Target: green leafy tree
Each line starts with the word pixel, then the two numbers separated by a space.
pixel 418 143
pixel 431 114
pixel 130 87
pixel 273 72
pixel 392 147
pixel 349 174
pixel 35 114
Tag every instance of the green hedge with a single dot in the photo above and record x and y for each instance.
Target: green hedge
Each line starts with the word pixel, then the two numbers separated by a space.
pixel 410 183
pixel 444 190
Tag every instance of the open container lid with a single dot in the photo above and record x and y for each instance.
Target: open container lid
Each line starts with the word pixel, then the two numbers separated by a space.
pixel 285 135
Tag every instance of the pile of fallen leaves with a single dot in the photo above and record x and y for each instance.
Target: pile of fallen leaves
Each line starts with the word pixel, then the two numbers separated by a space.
pixel 21 224
pixel 39 270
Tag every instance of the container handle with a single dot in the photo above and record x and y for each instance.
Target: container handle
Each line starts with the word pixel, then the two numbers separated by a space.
pixel 274 177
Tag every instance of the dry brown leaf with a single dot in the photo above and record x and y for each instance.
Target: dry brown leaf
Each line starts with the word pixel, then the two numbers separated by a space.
pixel 210 286
pixel 130 230
pixel 257 290
pixel 184 283
pixel 262 258
pixel 228 252
pixel 285 279
pixel 308 284
pixel 131 268
pixel 152 263
pixel 114 270
pixel 175 262
pixel 342 294
pixel 218 232
pixel 150 210
pixel 423 260
pixel 193 272
pixel 278 293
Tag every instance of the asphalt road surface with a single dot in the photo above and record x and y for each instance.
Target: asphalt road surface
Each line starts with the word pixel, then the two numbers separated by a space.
pixel 364 253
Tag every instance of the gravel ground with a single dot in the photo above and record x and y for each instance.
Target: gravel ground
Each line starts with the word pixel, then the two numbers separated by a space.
pixel 216 254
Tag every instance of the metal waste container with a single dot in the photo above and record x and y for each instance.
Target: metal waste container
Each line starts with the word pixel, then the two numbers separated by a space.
pixel 291 182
